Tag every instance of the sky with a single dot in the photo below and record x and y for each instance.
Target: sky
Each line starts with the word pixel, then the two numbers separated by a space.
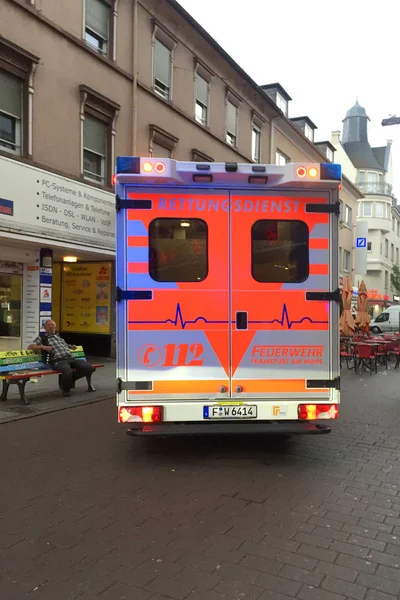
pixel 324 54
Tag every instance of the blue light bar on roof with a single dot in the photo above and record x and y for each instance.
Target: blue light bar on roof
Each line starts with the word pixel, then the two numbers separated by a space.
pixel 331 171
pixel 128 164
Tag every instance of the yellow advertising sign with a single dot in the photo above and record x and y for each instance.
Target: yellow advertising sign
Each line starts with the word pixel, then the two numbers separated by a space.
pixel 86 297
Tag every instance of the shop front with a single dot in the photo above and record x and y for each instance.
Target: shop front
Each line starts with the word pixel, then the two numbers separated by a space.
pixel 57 239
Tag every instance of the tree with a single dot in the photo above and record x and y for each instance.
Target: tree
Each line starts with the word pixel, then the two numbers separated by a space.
pixel 395 279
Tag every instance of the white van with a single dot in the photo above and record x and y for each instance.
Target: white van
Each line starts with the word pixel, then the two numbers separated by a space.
pixel 388 320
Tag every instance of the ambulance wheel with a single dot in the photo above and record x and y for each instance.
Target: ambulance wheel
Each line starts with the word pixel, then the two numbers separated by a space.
pixel 376 329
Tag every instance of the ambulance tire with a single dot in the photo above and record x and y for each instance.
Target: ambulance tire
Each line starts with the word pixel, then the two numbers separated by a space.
pixel 376 329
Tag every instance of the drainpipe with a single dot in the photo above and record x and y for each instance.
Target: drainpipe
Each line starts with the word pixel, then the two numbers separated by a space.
pixel 272 139
pixel 134 73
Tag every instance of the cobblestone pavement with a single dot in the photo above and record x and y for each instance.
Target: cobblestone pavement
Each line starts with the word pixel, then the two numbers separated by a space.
pixel 87 512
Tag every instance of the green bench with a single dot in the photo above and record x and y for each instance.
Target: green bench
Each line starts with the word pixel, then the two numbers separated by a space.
pixel 19 366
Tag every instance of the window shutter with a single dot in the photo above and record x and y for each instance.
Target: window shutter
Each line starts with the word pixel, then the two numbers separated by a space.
pixel 94 135
pixel 97 17
pixel 231 114
pixel 201 90
pixel 162 63
pixel 10 94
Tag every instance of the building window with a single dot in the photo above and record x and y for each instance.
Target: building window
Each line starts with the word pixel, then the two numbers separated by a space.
pixel 386 281
pixel 398 228
pixel 281 159
pixel 178 250
pixel 372 177
pixel 202 94
pixel 346 261
pixel 387 248
pixel 393 224
pixel 308 132
pixel 11 112
pixel 367 209
pixel 98 116
pixel 369 247
pixel 98 25
pixel 281 103
pixel 199 156
pixel 231 123
pixel 392 252
pixel 348 217
pixel 17 70
pixel 379 209
pixel 162 143
pixel 329 154
pixel 95 149
pixel 162 69
pixel 397 256
pixel 255 143
pixel 201 107
pixel 279 251
pixel 361 177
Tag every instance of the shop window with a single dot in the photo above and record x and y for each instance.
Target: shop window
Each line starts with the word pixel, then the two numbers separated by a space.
pixel 98 25
pixel 99 115
pixel 178 250
pixel 10 305
pixel 279 251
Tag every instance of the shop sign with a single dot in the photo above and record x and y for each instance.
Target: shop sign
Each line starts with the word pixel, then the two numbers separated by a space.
pixel 31 301
pixel 55 207
pixel 396 298
pixel 13 268
pixel 374 295
pixel 86 297
pixel 386 297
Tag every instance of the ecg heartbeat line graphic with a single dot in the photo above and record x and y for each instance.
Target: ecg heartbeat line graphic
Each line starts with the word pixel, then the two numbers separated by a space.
pixel 179 320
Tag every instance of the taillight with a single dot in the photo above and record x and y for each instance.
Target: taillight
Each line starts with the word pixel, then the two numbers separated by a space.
pixel 140 414
pixel 311 412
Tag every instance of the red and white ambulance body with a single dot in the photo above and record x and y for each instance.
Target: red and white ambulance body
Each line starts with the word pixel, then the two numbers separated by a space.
pixel 227 297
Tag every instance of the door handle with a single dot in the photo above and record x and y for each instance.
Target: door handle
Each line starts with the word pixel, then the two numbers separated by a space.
pixel 241 319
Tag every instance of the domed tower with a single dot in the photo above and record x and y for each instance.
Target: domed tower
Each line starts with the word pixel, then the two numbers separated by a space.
pixel 355 139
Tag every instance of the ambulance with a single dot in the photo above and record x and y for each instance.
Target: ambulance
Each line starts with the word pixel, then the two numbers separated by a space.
pixel 227 297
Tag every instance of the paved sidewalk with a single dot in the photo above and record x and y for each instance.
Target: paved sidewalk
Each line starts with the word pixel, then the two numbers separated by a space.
pixel 46 397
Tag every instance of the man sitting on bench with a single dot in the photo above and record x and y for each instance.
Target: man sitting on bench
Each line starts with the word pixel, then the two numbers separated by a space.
pixel 56 352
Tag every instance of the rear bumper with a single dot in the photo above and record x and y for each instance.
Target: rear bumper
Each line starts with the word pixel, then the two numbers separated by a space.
pixel 228 428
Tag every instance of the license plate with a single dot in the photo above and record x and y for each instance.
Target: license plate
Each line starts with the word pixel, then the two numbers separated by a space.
pixel 243 411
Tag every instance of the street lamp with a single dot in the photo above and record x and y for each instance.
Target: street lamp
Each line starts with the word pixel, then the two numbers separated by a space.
pixel 392 120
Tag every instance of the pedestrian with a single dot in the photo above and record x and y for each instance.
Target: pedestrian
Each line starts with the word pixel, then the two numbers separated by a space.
pixel 56 352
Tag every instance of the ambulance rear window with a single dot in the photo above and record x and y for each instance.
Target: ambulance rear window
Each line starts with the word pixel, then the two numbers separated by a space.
pixel 279 251
pixel 178 250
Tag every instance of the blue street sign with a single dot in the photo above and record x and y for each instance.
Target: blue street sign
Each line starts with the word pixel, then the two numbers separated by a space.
pixel 361 242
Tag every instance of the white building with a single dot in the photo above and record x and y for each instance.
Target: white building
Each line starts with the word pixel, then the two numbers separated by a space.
pixel 371 171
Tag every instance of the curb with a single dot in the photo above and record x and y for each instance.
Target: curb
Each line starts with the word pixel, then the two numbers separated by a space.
pixel 46 411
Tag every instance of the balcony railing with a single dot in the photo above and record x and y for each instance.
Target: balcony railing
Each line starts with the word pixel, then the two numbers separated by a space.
pixel 367 187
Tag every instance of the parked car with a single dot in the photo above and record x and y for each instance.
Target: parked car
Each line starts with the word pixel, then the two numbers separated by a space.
pixel 388 320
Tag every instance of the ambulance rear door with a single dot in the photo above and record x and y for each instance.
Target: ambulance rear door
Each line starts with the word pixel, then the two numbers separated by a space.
pixel 284 295
pixel 175 270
